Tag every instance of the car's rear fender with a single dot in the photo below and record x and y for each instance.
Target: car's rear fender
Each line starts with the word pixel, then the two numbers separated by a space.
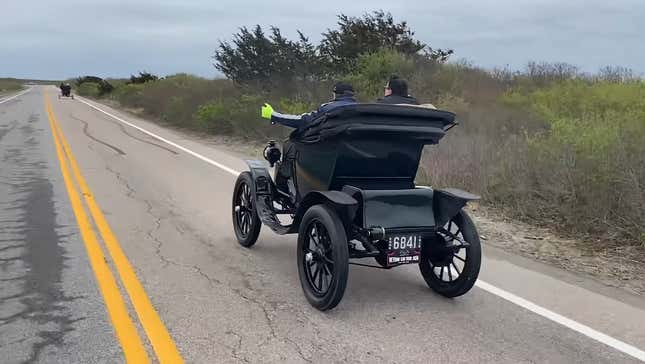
pixel 447 203
pixel 344 204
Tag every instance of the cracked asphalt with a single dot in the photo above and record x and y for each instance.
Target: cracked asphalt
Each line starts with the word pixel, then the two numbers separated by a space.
pixel 222 303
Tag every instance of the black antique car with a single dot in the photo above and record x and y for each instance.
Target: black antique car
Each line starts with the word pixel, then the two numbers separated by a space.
pixel 65 91
pixel 354 196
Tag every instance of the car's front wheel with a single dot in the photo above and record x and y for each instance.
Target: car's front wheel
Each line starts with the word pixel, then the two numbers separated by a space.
pixel 246 222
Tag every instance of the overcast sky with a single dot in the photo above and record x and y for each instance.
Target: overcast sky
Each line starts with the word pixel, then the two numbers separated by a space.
pixel 59 39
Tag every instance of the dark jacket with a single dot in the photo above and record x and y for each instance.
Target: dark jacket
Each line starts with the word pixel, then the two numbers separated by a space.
pixel 301 121
pixel 396 99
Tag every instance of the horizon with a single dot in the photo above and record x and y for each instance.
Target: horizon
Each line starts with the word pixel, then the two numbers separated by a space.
pixel 219 75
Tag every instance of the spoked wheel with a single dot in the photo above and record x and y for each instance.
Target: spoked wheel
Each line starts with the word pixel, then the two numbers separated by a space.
pixel 246 222
pixel 323 257
pixel 450 265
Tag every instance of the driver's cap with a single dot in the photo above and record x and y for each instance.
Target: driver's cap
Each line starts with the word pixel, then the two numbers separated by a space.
pixel 343 88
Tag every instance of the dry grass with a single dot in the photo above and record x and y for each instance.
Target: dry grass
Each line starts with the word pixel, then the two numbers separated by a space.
pixel 10 85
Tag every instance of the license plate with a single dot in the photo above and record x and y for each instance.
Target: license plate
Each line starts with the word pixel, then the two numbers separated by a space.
pixel 403 249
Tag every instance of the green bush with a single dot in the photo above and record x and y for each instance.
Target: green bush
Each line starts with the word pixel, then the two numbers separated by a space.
pixel 215 117
pixel 587 168
pixel 90 89
pixel 289 106
pixel 103 86
pixel 130 95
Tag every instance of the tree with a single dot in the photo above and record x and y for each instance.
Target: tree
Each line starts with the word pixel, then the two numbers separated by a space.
pixel 341 48
pixel 104 87
pixel 544 73
pixel 255 57
pixel 616 74
pixel 143 78
pixel 269 59
pixel 83 79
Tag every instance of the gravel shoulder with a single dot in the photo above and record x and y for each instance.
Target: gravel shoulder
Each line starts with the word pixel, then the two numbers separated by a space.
pixel 613 265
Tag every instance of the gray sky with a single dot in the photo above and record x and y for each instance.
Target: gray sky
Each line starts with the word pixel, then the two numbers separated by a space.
pixel 59 39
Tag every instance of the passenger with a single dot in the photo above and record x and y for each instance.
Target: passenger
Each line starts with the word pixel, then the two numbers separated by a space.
pixel 396 92
pixel 343 94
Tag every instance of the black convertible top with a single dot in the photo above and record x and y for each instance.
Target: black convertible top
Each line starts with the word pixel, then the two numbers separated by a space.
pixel 401 121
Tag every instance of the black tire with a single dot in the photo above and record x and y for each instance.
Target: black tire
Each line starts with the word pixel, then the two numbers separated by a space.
pixel 246 222
pixel 323 247
pixel 437 265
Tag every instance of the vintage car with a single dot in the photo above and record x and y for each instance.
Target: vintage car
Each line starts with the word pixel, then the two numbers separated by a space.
pixel 65 91
pixel 353 196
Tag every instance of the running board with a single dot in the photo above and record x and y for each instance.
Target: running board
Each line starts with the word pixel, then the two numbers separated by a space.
pixel 267 215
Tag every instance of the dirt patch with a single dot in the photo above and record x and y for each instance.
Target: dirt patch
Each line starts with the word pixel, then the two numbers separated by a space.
pixel 611 264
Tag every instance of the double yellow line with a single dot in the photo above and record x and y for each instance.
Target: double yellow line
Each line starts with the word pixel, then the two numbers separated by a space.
pixel 126 331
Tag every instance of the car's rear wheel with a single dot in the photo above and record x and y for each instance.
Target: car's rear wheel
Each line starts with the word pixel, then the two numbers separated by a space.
pixel 450 264
pixel 246 222
pixel 323 257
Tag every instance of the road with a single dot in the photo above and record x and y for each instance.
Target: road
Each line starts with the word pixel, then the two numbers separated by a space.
pixel 116 245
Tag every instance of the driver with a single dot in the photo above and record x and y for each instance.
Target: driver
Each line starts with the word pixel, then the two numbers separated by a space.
pixel 343 94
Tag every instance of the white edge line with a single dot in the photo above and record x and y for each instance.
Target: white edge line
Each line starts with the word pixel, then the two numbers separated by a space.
pixel 14 96
pixel 519 301
pixel 564 321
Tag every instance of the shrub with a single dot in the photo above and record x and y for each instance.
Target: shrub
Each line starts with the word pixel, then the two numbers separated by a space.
pixel 215 117
pixel 583 170
pixel 104 87
pixel 129 95
pixel 90 89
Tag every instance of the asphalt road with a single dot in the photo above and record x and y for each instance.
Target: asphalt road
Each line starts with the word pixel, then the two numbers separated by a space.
pixel 70 202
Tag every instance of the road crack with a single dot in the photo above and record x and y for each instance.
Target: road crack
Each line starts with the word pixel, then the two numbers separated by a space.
pixel 150 234
pixel 268 310
pixel 235 350
pixel 87 133
pixel 125 131
pixel 130 191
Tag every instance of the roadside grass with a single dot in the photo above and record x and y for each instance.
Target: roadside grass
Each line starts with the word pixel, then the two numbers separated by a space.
pixel 8 85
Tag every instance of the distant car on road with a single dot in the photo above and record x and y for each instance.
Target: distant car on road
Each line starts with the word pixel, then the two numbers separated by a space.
pixel 65 90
